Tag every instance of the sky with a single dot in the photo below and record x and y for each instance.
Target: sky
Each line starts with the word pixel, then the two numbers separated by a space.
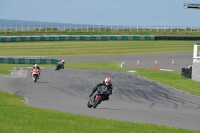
pixel 103 12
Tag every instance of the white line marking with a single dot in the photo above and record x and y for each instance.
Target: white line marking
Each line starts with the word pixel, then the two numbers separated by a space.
pixel 26 99
pixel 166 70
pixel 131 71
pixel 122 64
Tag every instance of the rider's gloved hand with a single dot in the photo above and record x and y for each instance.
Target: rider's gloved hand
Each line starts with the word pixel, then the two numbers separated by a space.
pixel 90 95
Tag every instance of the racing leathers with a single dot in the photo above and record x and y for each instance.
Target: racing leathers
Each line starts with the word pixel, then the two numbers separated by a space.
pixel 61 63
pixel 109 87
pixel 38 69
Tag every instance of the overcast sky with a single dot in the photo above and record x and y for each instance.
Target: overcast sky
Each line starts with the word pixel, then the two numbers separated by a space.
pixel 103 12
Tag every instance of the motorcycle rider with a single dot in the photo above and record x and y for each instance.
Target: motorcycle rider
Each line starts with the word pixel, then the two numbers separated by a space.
pixel 36 67
pixel 61 63
pixel 107 83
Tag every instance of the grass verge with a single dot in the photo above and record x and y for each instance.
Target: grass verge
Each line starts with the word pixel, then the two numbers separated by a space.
pixel 88 48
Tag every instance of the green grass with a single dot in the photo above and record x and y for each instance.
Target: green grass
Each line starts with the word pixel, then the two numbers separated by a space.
pixel 80 48
pixel 172 79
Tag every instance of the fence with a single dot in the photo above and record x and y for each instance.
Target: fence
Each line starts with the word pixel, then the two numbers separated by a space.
pixel 95 28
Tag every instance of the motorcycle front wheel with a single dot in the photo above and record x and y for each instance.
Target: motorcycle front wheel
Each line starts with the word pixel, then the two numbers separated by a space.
pixel 35 78
pixel 89 105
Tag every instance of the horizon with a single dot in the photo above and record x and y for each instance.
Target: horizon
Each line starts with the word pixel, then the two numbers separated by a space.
pixel 25 22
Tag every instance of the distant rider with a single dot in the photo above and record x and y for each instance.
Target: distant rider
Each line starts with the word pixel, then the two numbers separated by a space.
pixel 107 83
pixel 62 62
pixel 36 67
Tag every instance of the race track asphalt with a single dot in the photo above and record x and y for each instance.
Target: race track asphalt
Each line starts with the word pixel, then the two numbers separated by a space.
pixel 133 99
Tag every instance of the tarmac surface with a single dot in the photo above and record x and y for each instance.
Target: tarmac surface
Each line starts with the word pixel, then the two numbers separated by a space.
pixel 134 98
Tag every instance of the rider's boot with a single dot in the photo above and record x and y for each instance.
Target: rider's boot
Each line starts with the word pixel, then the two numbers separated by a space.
pixel 106 98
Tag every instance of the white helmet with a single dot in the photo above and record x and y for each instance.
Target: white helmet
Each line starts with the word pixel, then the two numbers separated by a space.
pixel 35 65
pixel 108 80
pixel 62 60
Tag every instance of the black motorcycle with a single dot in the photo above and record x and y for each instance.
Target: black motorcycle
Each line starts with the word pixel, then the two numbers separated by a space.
pixel 100 95
pixel 59 66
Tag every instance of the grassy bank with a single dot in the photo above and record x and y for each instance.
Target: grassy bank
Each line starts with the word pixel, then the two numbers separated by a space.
pixel 80 48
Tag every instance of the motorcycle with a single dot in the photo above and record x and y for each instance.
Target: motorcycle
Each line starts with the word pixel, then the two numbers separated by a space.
pixel 98 96
pixel 59 66
pixel 35 74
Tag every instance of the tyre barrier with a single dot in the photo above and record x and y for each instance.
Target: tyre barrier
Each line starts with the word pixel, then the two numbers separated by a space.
pixel 11 60
pixel 74 38
pixel 186 72
pixel 177 37
pixel 92 38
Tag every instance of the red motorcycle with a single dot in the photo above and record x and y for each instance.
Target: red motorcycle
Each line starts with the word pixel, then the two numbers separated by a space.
pixel 35 74
pixel 98 97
